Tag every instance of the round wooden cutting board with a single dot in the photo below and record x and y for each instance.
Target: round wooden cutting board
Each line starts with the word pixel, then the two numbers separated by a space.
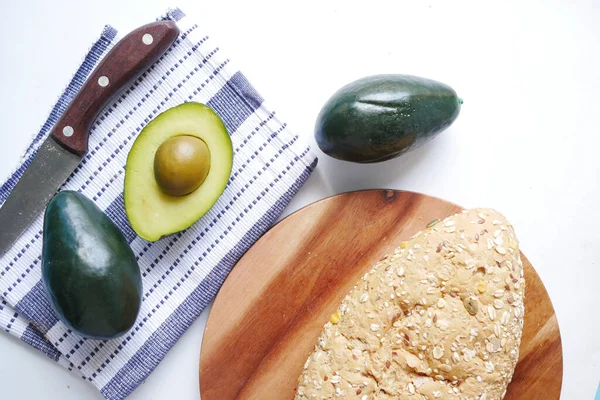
pixel 266 318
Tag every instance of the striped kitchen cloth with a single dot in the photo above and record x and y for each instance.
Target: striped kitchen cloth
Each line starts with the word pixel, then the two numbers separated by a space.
pixel 181 273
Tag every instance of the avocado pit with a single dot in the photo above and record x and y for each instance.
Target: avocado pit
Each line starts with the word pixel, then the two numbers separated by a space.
pixel 181 164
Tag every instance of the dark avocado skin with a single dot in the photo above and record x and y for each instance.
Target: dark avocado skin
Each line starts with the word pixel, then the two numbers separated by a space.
pixel 380 117
pixel 89 270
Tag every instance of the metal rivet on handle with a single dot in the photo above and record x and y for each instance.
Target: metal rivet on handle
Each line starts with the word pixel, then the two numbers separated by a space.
pixel 68 131
pixel 103 81
pixel 147 38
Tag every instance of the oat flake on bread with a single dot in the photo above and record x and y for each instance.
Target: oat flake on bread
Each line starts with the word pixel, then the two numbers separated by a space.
pixel 440 318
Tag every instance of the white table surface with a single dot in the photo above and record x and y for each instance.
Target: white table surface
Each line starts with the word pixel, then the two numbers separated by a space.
pixel 526 142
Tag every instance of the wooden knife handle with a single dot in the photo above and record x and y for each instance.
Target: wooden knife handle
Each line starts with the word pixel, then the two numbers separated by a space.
pixel 131 56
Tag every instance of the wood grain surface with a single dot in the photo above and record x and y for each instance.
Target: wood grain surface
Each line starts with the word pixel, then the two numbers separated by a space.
pixel 272 307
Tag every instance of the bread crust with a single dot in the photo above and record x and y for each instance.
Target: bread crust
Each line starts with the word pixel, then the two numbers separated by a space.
pixel 440 318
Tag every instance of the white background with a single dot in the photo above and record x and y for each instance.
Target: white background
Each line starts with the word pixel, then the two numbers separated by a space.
pixel 526 141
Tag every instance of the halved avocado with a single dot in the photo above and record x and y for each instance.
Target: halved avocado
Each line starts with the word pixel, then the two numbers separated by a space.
pixel 176 170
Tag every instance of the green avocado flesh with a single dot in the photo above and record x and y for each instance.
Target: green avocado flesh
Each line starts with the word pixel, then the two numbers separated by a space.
pixel 380 117
pixel 153 209
pixel 90 273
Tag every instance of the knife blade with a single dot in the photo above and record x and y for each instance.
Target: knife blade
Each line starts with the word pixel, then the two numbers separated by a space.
pixel 46 173
pixel 61 153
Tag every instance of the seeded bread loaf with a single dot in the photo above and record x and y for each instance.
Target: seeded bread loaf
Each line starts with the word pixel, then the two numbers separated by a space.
pixel 440 318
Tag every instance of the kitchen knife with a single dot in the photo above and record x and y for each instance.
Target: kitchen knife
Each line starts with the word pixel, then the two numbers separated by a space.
pixel 65 147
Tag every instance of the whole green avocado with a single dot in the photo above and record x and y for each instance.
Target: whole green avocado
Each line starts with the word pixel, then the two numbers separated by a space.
pixel 380 117
pixel 89 271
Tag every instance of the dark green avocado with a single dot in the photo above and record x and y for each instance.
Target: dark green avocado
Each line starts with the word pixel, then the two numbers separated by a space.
pixel 380 117
pixel 89 271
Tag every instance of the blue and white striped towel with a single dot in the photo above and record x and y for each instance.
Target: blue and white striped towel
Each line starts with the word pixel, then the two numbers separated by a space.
pixel 181 273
